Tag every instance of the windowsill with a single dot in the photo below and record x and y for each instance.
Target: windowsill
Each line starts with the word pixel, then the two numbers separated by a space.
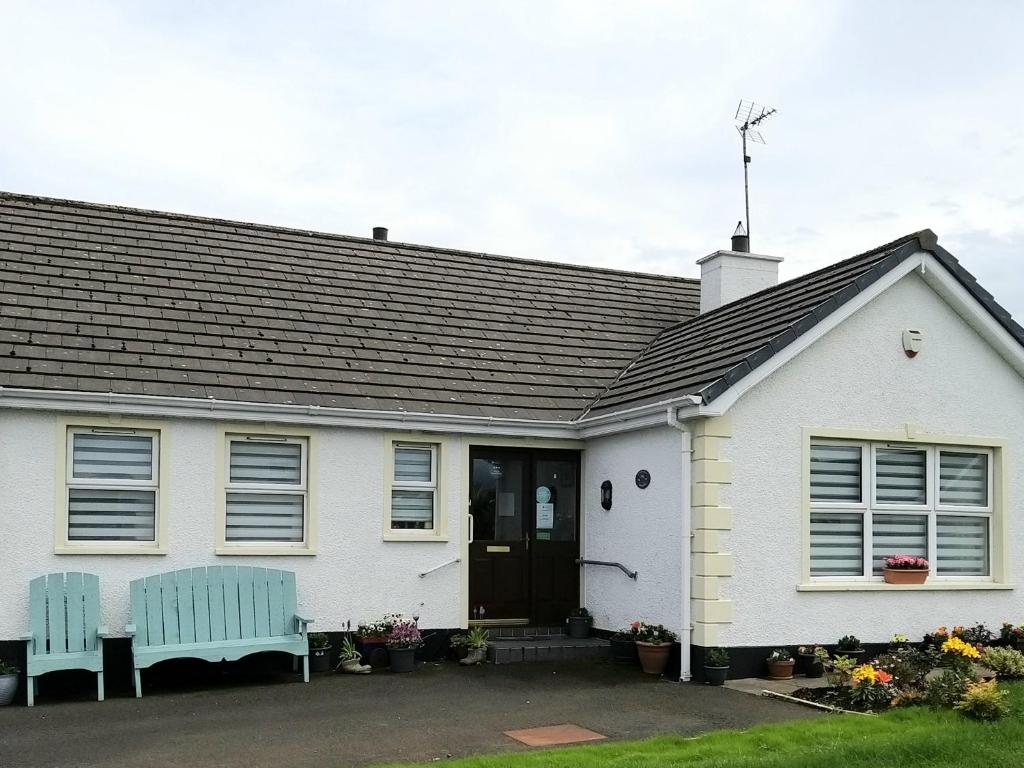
pixel 414 537
pixel 273 551
pixel 881 586
pixel 108 549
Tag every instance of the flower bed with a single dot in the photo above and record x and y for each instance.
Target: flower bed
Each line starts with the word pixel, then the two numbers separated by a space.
pixel 958 669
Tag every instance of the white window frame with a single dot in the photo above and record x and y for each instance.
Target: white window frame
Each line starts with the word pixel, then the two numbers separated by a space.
pixel 226 486
pixel 933 509
pixel 436 486
pixel 66 482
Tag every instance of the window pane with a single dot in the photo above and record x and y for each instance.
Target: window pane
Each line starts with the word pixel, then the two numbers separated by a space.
pixel 412 465
pixel 898 535
pixel 963 479
pixel 412 509
pixel 901 476
pixel 111 515
pixel 112 457
pixel 836 473
pixel 276 463
pixel 837 544
pixel 264 516
pixel 962 545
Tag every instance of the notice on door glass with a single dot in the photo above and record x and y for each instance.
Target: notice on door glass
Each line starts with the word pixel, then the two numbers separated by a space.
pixel 546 516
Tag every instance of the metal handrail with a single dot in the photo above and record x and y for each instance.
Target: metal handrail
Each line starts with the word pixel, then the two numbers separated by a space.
pixel 620 566
pixel 439 567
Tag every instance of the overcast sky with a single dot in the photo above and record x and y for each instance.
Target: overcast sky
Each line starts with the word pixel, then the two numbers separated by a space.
pixel 595 133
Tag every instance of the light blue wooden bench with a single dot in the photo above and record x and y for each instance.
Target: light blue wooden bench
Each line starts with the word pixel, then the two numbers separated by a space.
pixel 64 628
pixel 219 613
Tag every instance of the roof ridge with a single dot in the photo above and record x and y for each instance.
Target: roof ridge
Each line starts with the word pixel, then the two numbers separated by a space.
pixel 175 216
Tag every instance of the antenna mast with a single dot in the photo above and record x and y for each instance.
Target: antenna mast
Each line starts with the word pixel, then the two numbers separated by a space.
pixel 748 116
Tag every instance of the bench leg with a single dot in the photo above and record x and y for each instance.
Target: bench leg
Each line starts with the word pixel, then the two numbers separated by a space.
pixel 31 690
pixel 99 686
pixel 295 663
pixel 138 683
pixel 305 669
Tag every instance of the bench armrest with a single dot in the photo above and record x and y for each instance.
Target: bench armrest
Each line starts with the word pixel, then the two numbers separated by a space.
pixel 129 629
pixel 303 619
pixel 26 638
pixel 102 633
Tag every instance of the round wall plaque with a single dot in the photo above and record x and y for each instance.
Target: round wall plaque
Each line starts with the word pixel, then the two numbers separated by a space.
pixel 643 478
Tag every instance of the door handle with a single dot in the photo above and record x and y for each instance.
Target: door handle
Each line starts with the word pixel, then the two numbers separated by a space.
pixel 527 542
pixel 470 528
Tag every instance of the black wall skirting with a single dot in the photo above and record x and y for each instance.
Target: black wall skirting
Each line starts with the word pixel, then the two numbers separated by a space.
pixel 749 661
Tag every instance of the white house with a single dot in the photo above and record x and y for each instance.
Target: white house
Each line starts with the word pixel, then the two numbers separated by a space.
pixel 448 434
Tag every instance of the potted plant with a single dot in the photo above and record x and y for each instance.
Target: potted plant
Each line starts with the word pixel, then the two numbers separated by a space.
pixel 850 646
pixel 476 647
pixel 459 643
pixel 780 664
pixel 905 569
pixel 8 683
pixel 623 647
pixel 580 622
pixel 716 665
pixel 372 640
pixel 840 670
pixel 350 660
pixel 812 659
pixel 402 643
pixel 653 645
pixel 899 641
pixel 319 652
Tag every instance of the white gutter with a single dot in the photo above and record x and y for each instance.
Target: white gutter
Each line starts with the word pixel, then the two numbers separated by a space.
pixel 230 410
pixel 685 459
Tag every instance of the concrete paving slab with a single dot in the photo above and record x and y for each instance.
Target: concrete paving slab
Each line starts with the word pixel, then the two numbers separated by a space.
pixel 554 735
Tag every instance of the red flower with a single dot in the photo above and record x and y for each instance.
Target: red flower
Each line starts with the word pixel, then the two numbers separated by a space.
pixel 635 625
pixel 882 677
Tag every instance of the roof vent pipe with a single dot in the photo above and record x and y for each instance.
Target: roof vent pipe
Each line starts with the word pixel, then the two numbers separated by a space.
pixel 740 239
pixel 380 233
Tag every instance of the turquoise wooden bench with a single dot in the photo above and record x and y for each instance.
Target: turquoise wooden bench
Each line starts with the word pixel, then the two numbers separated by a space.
pixel 219 613
pixel 64 628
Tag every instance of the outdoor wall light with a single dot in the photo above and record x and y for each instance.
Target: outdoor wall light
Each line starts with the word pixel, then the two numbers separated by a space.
pixel 606 494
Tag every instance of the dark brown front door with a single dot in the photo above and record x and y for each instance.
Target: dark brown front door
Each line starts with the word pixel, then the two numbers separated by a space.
pixel 525 510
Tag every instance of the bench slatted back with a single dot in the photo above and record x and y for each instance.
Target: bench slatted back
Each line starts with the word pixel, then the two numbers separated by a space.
pixel 201 605
pixel 64 612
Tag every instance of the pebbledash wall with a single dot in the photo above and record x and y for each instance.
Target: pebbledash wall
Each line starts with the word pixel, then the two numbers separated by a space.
pixel 642 530
pixel 354 574
pixel 858 377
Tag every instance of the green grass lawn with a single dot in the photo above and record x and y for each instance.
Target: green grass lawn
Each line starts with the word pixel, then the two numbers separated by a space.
pixel 917 737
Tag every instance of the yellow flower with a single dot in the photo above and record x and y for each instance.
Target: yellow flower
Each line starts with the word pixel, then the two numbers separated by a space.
pixel 865 673
pixel 959 647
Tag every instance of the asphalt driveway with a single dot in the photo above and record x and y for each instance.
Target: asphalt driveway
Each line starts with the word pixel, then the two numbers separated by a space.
pixel 438 711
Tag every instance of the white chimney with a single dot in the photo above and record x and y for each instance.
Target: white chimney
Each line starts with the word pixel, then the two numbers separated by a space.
pixel 729 275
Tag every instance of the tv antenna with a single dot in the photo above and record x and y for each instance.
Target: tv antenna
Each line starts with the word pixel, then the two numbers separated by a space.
pixel 749 115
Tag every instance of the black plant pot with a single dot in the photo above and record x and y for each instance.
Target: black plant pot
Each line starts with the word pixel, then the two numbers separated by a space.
pixel 810 667
pixel 624 651
pixel 320 659
pixel 716 675
pixel 579 626
pixel 402 659
pixel 374 651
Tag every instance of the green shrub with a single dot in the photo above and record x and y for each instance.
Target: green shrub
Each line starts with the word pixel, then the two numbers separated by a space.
pixel 318 640
pixel 908 665
pixel 716 657
pixel 946 689
pixel 1005 662
pixel 983 701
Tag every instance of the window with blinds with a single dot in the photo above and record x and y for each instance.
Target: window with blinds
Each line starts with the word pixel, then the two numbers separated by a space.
pixel 414 487
pixel 112 485
pixel 266 494
pixel 928 501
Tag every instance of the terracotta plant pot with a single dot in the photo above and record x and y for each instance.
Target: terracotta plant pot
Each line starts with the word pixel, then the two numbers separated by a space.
pixel 905 575
pixel 653 656
pixel 781 670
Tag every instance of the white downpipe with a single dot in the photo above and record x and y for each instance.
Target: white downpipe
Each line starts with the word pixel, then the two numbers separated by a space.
pixel 686 452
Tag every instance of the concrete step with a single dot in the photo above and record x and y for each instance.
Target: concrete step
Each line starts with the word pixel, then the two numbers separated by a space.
pixel 524 633
pixel 552 648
